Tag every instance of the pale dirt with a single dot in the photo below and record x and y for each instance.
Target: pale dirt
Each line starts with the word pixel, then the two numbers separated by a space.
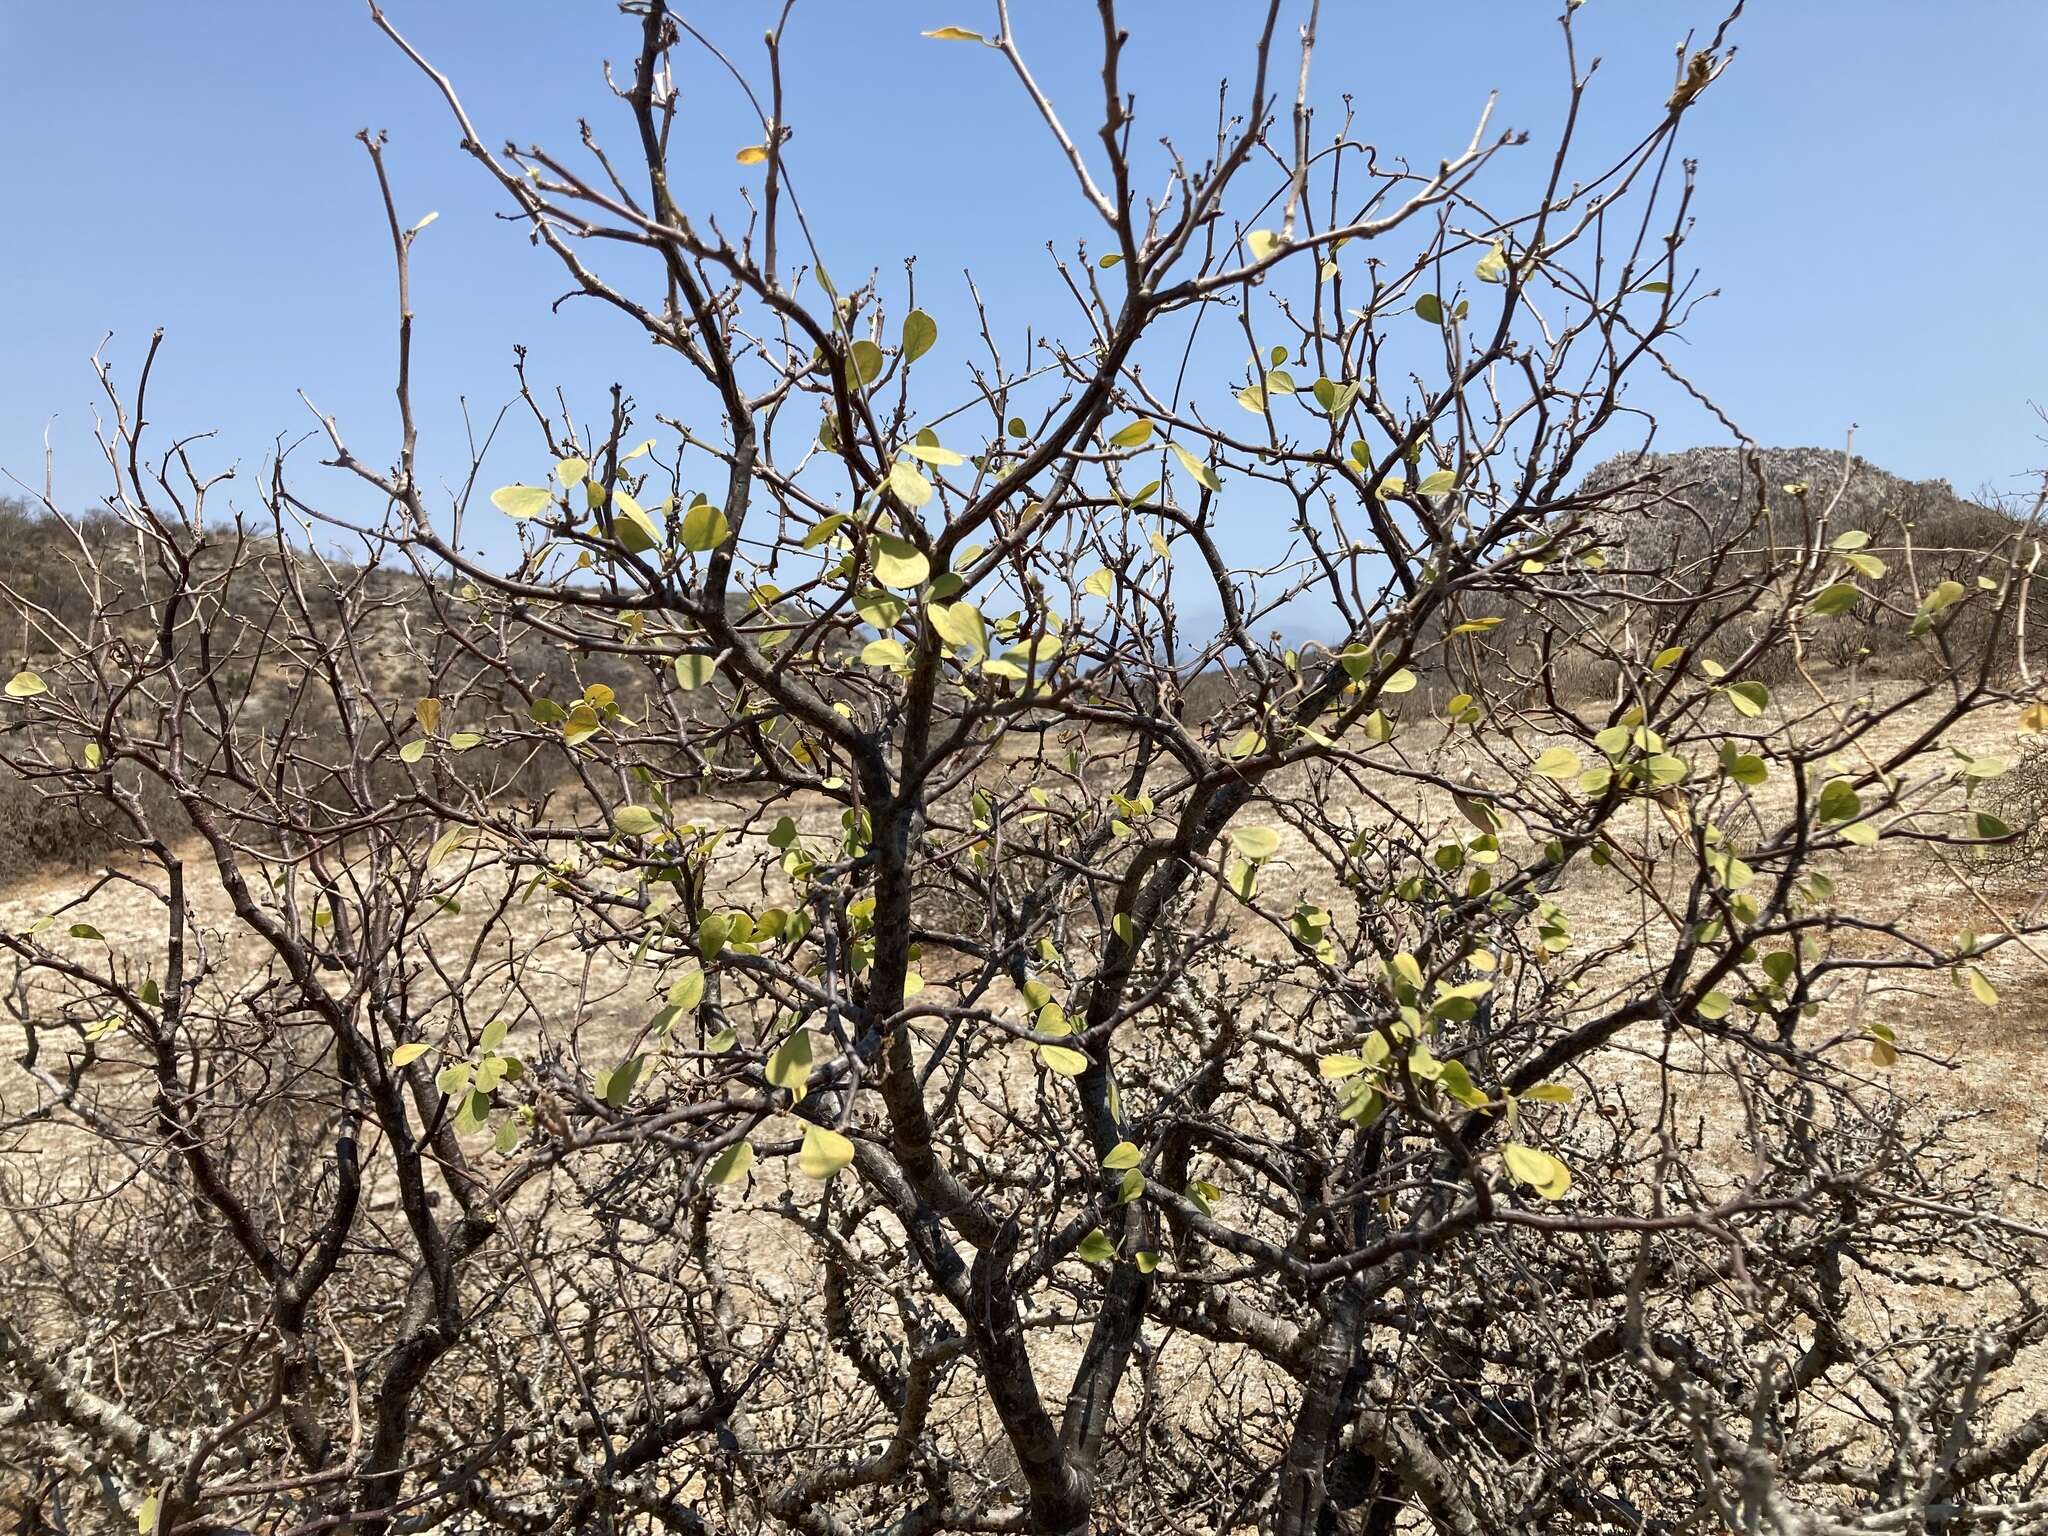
pixel 1956 1051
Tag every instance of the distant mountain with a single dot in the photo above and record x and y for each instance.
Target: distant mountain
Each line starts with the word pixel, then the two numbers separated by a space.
pixel 1697 498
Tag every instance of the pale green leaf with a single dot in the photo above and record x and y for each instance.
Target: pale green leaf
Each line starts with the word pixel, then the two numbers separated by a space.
pixel 898 562
pixel 920 330
pixel 1539 1170
pixel 522 501
pixel 824 1152
pixel 1194 466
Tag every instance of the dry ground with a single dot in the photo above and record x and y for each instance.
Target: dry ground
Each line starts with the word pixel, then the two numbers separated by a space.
pixel 1958 1052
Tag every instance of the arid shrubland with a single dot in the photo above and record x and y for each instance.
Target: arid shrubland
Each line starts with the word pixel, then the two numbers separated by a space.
pixel 816 995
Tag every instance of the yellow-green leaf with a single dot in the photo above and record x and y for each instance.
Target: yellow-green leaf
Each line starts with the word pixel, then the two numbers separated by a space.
pixel 864 362
pixel 731 1165
pixel 1063 1059
pixel 1750 699
pixel 955 35
pixel 1123 1155
pixel 1096 1247
pixel 704 528
pixel 1255 842
pixel 1194 466
pixel 824 1152
pixel 910 486
pixel 616 1086
pixel 920 331
pixel 1539 1170
pixel 635 821
pixel 1981 988
pixel 522 501
pixel 789 1065
pixel 406 1054
pixel 898 562
pixel 635 529
pixel 959 624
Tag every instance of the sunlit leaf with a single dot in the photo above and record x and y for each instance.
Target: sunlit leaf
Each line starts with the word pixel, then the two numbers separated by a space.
pixel 1837 599
pixel 688 990
pixel 522 501
pixel 789 1065
pixel 636 531
pixel 635 821
pixel 910 486
pixel 824 1152
pixel 1194 466
pixel 1750 699
pixel 959 624
pixel 616 1086
pixel 920 331
pixel 705 528
pixel 1096 1248
pixel 1255 842
pixel 864 363
pixel 1063 1059
pixel 1539 1170
pixel 898 562
pixel 731 1165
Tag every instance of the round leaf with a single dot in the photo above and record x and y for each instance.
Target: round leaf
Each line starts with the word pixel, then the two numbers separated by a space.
pixel 824 1152
pixel 522 501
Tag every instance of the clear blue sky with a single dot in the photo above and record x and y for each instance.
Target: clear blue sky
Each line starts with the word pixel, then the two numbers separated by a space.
pixel 1871 194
